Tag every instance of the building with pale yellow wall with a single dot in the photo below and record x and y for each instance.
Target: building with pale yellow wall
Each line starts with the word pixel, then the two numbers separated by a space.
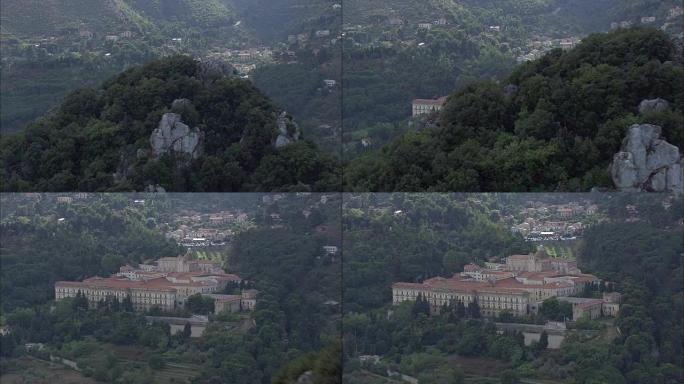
pixel 525 282
pixel 166 285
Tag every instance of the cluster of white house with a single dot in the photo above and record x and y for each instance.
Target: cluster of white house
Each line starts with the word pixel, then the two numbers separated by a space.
pixel 167 285
pixel 519 287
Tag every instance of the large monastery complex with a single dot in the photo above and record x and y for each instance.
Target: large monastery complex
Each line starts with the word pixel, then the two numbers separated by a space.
pixel 519 286
pixel 166 284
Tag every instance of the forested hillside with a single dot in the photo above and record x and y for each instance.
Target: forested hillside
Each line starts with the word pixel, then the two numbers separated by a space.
pixel 29 19
pixel 645 259
pixel 34 17
pixel 38 248
pixel 52 47
pixel 55 46
pixel 554 124
pixel 273 20
pixel 396 51
pixel 100 139
pixel 293 329
pixel 411 237
pixel 209 13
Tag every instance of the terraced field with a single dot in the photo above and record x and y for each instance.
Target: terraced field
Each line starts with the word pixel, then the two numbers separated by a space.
pixel 35 371
pixel 173 372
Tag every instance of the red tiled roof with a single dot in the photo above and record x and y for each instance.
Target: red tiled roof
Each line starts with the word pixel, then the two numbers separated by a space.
pixel 509 285
pixel 513 283
pixel 184 275
pixel 584 278
pixel 117 283
pixel 500 273
pixel 471 268
pixel 538 275
pixel 159 283
pixel 227 277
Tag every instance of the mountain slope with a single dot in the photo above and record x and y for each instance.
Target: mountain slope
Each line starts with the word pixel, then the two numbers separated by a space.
pixel 273 20
pixel 209 13
pixel 101 139
pixel 32 18
pixel 399 50
pixel 555 126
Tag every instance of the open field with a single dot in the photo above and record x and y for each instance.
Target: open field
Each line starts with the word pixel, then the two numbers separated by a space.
pixel 215 255
pixel 563 250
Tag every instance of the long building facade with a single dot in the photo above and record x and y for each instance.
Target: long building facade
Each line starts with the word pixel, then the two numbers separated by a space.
pixel 439 291
pixel 519 287
pixel 166 285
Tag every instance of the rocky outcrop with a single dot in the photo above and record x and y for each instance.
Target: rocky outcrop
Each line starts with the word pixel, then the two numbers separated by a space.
pixel 288 130
pixel 653 105
pixel 306 378
pixel 646 162
pixel 172 135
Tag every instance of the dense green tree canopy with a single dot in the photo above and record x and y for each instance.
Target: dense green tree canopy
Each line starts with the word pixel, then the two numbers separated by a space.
pixel 39 249
pixel 553 125
pixel 386 241
pixel 96 133
pixel 431 235
pixel 296 318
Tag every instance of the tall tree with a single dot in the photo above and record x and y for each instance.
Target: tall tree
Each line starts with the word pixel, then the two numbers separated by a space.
pixel 474 309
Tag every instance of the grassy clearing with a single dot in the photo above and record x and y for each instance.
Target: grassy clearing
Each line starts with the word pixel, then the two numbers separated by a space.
pixel 560 251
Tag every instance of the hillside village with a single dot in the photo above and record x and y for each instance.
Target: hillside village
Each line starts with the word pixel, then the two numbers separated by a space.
pixel 542 222
pixel 195 229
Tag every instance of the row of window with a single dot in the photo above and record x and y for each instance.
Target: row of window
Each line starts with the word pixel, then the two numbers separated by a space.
pixel 443 296
pixel 65 292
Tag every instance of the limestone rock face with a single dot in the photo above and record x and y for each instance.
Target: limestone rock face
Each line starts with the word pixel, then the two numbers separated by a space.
pixel 173 136
pixel 653 105
pixel 306 378
pixel 646 162
pixel 288 130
